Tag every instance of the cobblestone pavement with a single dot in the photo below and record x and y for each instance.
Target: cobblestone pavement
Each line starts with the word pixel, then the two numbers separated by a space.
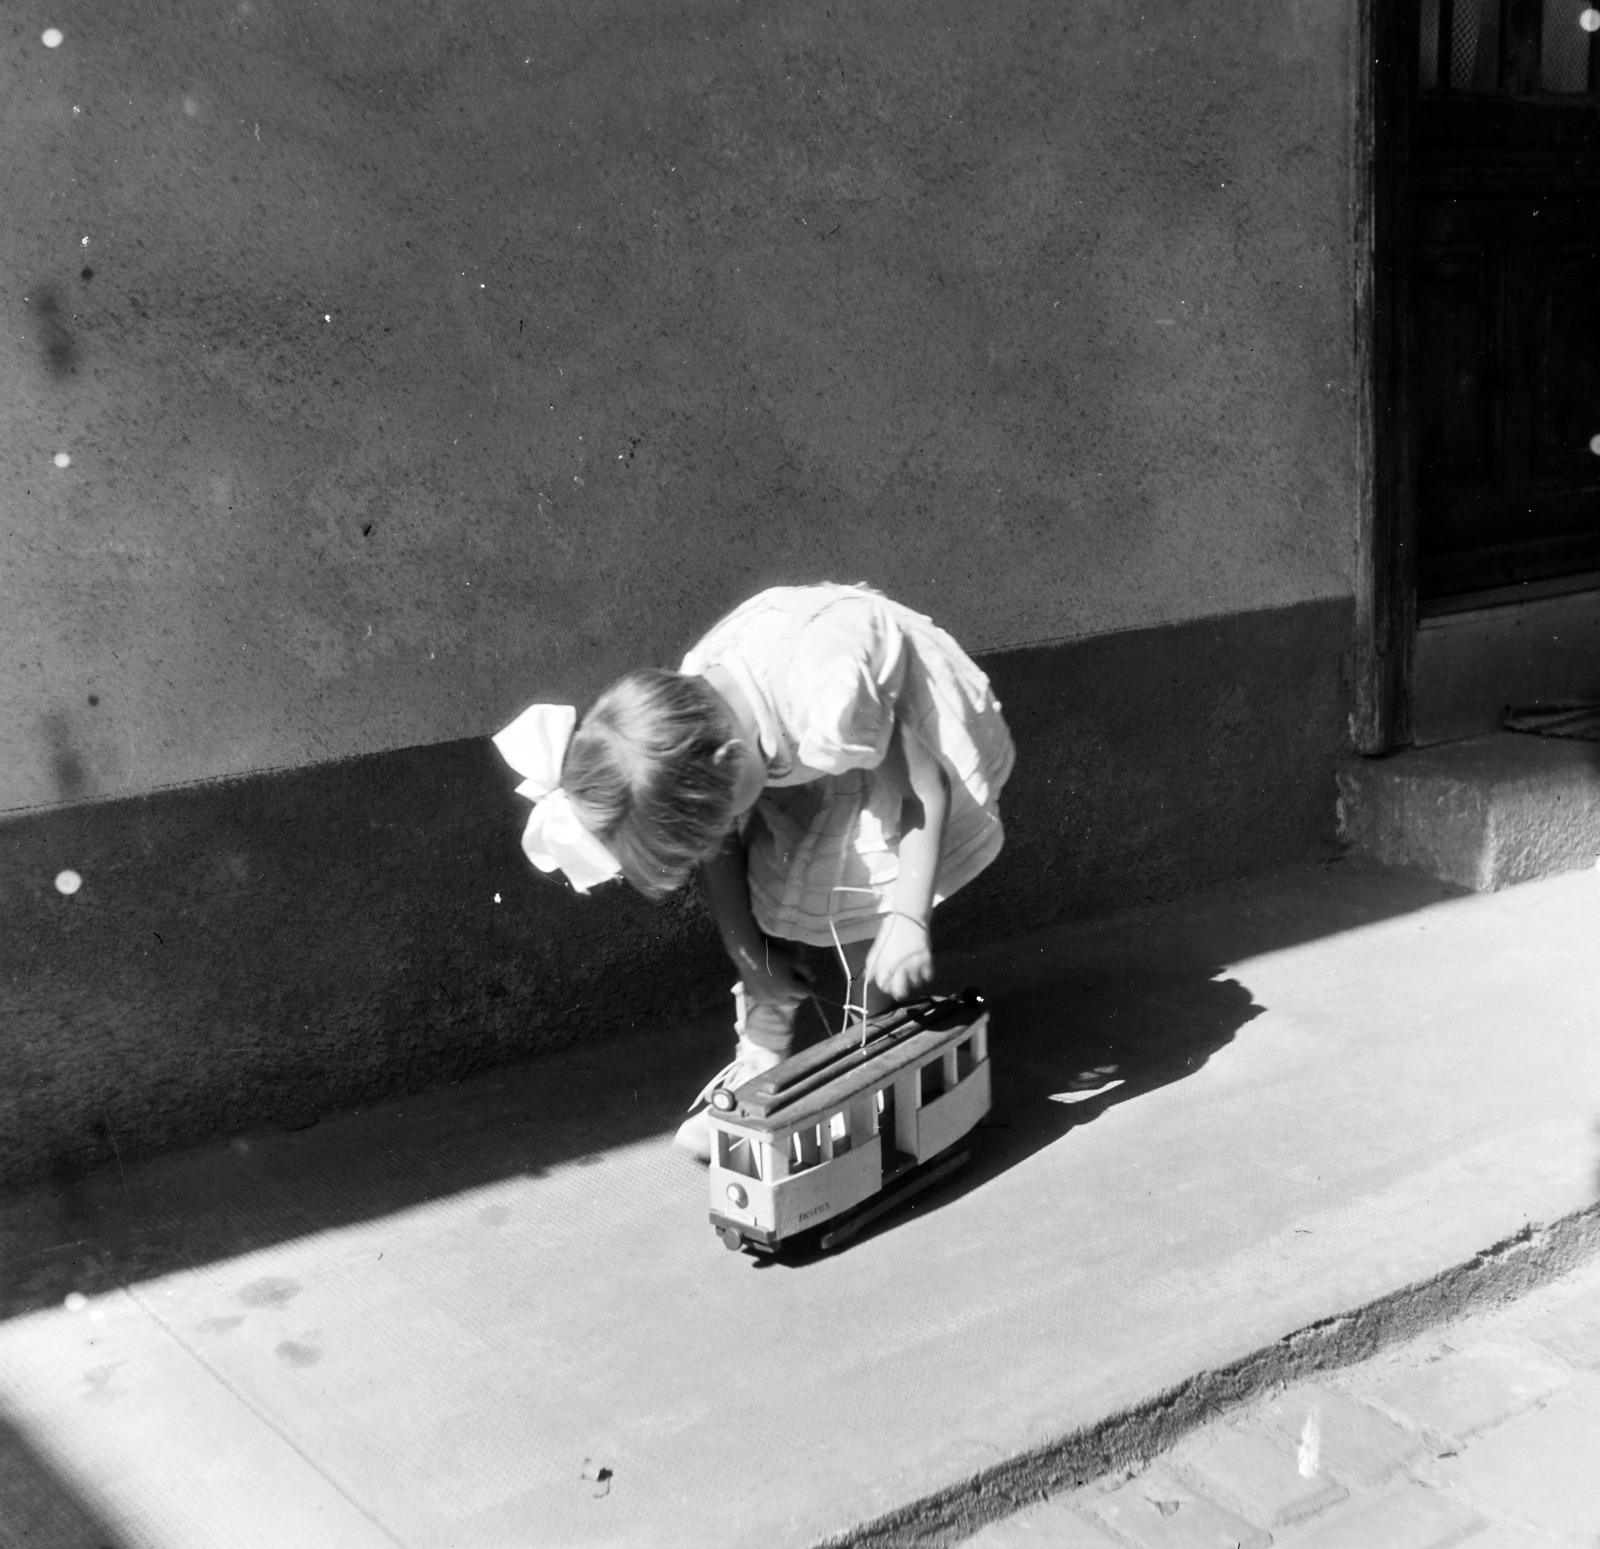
pixel 1483 1431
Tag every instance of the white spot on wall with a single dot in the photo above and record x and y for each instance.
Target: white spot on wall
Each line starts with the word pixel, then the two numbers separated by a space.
pixel 1589 19
pixel 62 460
pixel 51 37
pixel 76 1301
pixel 68 882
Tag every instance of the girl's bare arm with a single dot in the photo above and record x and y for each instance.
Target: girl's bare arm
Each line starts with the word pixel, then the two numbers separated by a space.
pixel 901 960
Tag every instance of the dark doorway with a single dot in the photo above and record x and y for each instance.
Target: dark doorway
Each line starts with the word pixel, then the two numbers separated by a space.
pixel 1500 333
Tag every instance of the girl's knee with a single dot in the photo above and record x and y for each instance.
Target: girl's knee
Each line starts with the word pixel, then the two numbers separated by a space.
pixel 766 1025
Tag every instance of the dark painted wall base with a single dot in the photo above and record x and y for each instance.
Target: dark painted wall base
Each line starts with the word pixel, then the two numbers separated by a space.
pixel 258 951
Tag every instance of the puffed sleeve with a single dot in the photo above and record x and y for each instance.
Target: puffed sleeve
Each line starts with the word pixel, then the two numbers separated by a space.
pixel 842 685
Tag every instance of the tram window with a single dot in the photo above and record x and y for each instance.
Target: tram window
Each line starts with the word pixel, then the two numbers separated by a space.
pixel 737 1154
pixel 932 1080
pixel 965 1063
pixel 805 1148
pixel 839 1128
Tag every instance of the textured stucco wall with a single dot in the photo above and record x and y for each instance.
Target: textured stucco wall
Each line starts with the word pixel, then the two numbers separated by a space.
pixel 415 360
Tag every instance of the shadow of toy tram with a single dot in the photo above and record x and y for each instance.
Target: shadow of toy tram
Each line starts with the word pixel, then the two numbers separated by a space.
pixel 813 1150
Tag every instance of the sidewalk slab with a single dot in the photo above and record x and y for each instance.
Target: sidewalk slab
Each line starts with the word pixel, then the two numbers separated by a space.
pixel 1256 1472
pixel 1408 1517
pixel 425 1323
pixel 1538 1468
pixel 1356 1443
pixel 1155 1511
pixel 1468 1391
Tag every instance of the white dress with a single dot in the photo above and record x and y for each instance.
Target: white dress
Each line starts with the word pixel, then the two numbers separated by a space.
pixel 827 669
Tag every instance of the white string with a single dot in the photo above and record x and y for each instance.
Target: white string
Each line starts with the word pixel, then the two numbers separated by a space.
pixel 844 962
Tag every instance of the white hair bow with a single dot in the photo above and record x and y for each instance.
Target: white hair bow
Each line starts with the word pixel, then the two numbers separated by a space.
pixel 555 839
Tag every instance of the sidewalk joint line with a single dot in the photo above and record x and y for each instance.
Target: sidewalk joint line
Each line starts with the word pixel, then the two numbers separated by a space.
pixel 234 1391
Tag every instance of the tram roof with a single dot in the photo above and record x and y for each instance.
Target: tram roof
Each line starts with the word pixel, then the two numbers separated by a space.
pixel 825 1077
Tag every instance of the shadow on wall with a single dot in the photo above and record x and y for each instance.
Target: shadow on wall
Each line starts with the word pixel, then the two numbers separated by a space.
pixel 38 1507
pixel 1141 1002
pixel 268 950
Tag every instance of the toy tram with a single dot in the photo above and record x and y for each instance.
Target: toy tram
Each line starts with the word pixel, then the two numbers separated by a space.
pixel 809 1146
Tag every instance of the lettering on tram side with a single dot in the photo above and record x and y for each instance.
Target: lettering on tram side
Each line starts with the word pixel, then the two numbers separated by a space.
pixel 816 1210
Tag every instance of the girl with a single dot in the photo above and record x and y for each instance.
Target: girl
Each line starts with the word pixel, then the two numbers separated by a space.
pixel 824 757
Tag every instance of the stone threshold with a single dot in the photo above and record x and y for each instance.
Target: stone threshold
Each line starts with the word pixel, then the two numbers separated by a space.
pixel 1483 813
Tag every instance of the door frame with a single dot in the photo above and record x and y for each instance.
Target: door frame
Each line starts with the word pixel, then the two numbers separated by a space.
pixel 1386 570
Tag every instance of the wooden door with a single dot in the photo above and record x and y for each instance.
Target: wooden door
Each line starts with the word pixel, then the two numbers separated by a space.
pixel 1501 337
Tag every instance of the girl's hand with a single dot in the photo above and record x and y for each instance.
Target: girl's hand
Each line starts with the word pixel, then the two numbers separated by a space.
pixel 901 960
pixel 775 975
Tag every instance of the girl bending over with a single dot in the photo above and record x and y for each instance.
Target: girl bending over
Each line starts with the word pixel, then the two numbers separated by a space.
pixel 823 754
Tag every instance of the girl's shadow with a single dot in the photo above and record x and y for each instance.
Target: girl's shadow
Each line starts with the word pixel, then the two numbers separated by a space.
pixel 1069 1054
pixel 1065 1046
pixel 1063 1054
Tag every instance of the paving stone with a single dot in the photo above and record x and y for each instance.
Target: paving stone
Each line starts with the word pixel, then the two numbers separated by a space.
pixel 1572 1331
pixel 1051 1523
pixel 1498 1536
pixel 1410 1516
pixel 1354 1443
pixel 1269 1480
pixel 1541 1469
pixel 1467 1390
pixel 1157 1511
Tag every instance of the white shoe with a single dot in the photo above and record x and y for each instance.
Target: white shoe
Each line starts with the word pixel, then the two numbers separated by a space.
pixel 749 1060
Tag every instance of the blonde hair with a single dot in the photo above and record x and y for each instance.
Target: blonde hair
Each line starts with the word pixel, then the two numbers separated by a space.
pixel 649 772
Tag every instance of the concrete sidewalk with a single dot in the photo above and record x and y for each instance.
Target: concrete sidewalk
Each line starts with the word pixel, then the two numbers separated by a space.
pixel 497 1315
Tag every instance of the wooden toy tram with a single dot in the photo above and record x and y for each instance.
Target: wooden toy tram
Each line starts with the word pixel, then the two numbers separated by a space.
pixel 880 1110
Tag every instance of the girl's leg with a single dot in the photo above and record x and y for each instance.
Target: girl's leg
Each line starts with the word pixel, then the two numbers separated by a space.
pixel 765 1035
pixel 763 1024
